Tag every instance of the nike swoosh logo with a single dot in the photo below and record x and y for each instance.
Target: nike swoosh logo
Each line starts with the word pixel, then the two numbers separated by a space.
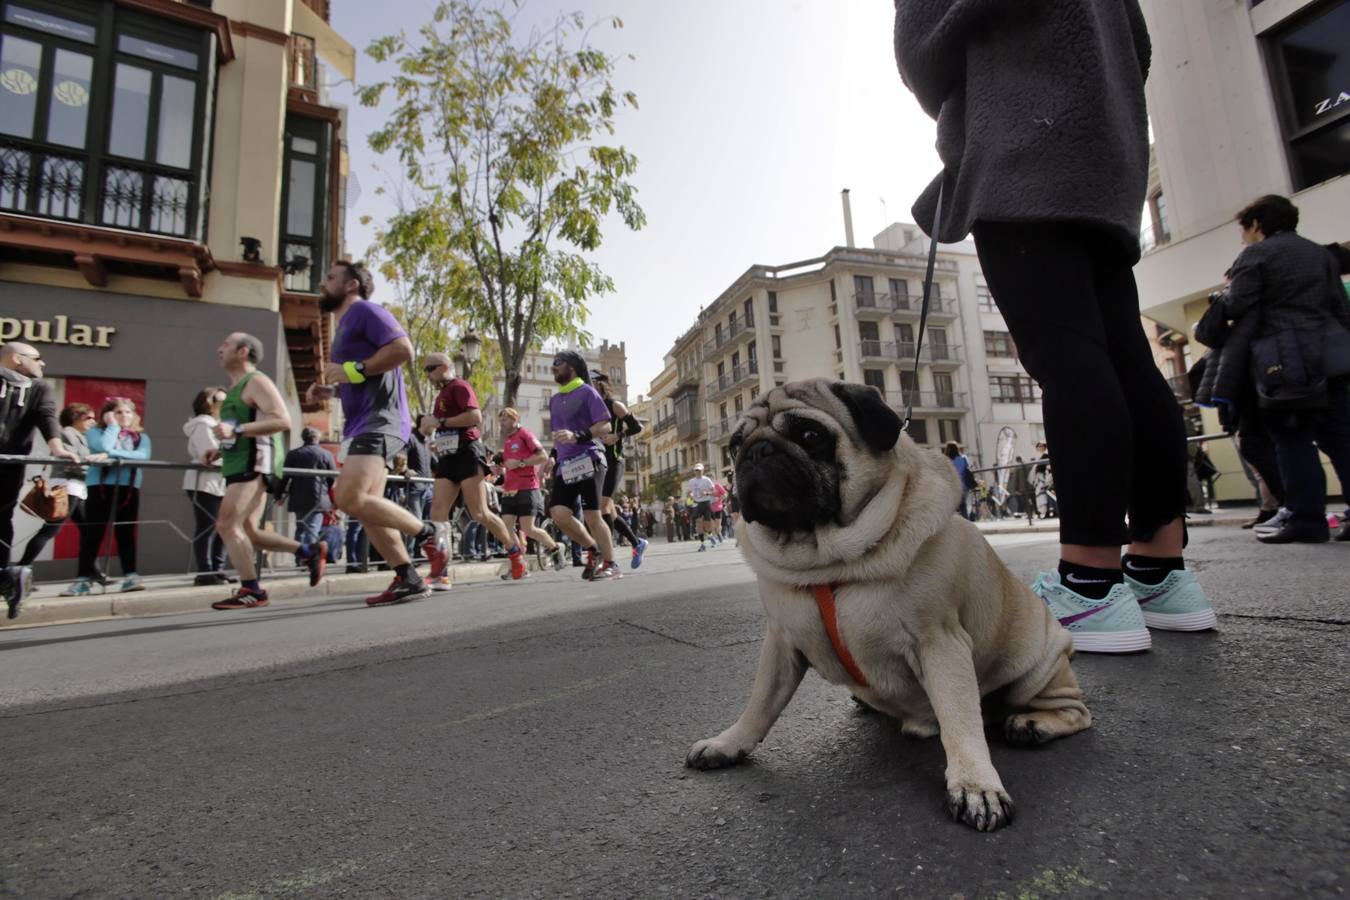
pixel 1133 568
pixel 1072 580
pixel 1151 597
pixel 1069 620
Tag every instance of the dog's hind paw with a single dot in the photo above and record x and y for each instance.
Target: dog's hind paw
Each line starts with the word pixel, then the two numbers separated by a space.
pixel 714 754
pixel 984 809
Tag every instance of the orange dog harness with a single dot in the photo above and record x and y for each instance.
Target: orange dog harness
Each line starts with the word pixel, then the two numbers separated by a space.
pixel 824 594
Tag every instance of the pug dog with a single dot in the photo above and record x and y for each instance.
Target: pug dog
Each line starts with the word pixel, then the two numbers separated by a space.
pixel 925 620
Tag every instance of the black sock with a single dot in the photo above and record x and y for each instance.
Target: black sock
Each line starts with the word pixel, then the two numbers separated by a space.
pixel 625 529
pixel 1088 582
pixel 406 572
pixel 427 533
pixel 1151 569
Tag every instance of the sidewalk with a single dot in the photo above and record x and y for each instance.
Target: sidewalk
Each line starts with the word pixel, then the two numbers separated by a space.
pixel 170 594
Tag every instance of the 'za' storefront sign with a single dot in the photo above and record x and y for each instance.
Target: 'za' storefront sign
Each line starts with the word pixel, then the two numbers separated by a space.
pixel 59 330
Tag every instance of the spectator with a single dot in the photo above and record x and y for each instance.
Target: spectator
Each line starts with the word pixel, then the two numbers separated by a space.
pixel 308 497
pixel 204 489
pixel 963 474
pixel 1292 287
pixel 75 420
pixel 1042 129
pixel 115 491
pixel 26 406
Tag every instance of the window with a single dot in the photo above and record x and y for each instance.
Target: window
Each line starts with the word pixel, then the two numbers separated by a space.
pixel 837 343
pixel 949 430
pixel 937 342
pixel 773 301
pixel 752 353
pixel 918 430
pixel 870 337
pixel 722 412
pixel 731 322
pixel 615 375
pixel 864 290
pixel 304 202
pixel 900 293
pixel 103 125
pixel 1309 60
pixel 904 338
pixel 984 299
pixel 749 312
pixel 1013 389
pixel 876 378
pixel 777 347
pixel 942 387
pixel 1157 205
pixel 999 344
pixel 754 393
pixel 833 297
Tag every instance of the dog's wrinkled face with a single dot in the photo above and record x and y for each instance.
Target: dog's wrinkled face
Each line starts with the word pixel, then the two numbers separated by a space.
pixel 797 449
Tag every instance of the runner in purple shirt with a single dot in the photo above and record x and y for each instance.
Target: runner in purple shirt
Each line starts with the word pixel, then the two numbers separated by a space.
pixel 365 371
pixel 580 417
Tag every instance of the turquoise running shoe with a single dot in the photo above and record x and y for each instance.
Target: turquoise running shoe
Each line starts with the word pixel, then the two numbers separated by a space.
pixel 1177 604
pixel 1113 625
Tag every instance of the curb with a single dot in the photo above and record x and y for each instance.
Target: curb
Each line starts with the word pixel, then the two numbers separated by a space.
pixel 1198 522
pixel 40 610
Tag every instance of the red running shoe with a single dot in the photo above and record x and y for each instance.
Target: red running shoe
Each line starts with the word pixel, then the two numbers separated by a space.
pixel 437 557
pixel 400 591
pixel 318 558
pixel 591 559
pixel 243 598
pixel 517 564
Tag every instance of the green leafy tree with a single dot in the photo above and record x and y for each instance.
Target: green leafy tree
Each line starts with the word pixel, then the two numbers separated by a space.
pixel 502 140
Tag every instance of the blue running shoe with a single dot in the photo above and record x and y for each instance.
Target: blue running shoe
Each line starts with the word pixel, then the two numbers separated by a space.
pixel 638 551
pixel 1178 604
pixel 1112 625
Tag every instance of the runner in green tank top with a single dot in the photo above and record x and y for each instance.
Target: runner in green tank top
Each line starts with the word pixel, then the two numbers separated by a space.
pixel 252 419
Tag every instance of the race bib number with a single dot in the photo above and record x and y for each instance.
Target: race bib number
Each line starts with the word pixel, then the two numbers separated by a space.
pixel 577 469
pixel 445 443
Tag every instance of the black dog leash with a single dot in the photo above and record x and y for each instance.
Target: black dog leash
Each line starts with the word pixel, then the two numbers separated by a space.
pixel 927 293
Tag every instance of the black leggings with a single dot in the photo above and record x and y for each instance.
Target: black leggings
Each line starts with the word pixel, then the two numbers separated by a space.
pixel 208 550
pixel 48 531
pixel 1115 430
pixel 97 511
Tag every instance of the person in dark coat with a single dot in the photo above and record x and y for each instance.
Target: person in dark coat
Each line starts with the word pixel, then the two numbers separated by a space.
pixel 1043 135
pixel 26 405
pixel 308 495
pixel 1291 287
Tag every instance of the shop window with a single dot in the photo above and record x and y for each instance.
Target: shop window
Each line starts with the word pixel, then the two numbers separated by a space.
pixel 103 116
pixel 1309 60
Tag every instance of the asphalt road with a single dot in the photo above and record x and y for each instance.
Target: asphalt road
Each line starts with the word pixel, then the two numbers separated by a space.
pixel 528 740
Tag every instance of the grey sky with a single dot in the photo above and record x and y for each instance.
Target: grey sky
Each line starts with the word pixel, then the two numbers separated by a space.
pixel 753 115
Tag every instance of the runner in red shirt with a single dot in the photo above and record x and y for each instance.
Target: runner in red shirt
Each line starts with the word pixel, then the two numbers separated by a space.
pixel 522 500
pixel 461 463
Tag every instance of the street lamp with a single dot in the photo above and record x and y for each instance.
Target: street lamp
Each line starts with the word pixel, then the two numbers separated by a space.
pixel 472 347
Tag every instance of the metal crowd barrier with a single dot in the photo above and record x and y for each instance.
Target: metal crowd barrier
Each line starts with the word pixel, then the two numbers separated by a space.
pixel 269 512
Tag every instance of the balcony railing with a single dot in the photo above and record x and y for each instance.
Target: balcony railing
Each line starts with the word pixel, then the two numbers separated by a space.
pixel 903 351
pixel 662 424
pixel 59 185
pixel 669 472
pixel 738 376
pixel 729 337
pixel 927 400
pixel 884 303
pixel 689 428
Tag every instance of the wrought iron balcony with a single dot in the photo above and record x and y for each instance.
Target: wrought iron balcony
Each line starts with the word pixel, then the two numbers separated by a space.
pixel 689 428
pixel 38 181
pixel 933 401
pixel 903 351
pixel 731 337
pixel 737 377
pixel 663 423
pixel 883 303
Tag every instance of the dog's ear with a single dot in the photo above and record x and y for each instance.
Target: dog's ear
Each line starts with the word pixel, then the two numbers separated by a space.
pixel 877 423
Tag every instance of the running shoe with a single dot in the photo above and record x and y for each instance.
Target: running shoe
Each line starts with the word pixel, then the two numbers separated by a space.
pixel 558 558
pixel 439 560
pixel 702 547
pixel 1176 604
pixel 589 572
pixel 20 580
pixel 318 558
pixel 81 588
pixel 439 584
pixel 243 598
pixel 518 569
pixel 1275 522
pixel 1112 625
pixel 400 591
pixel 132 582
pixel 638 551
pixel 607 572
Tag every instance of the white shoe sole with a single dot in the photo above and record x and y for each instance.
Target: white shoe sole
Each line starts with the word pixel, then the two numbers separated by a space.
pixel 1203 620
pixel 1112 641
pixel 440 588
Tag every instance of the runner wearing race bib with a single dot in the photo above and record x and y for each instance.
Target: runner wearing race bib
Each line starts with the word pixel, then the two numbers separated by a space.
pixel 700 489
pixel 522 454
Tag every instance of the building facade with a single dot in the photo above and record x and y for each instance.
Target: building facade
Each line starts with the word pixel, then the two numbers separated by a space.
pixel 1245 99
pixel 853 315
pixel 169 172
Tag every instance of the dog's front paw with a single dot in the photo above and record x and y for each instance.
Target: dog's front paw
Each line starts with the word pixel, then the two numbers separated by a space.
pixel 982 808
pixel 714 753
